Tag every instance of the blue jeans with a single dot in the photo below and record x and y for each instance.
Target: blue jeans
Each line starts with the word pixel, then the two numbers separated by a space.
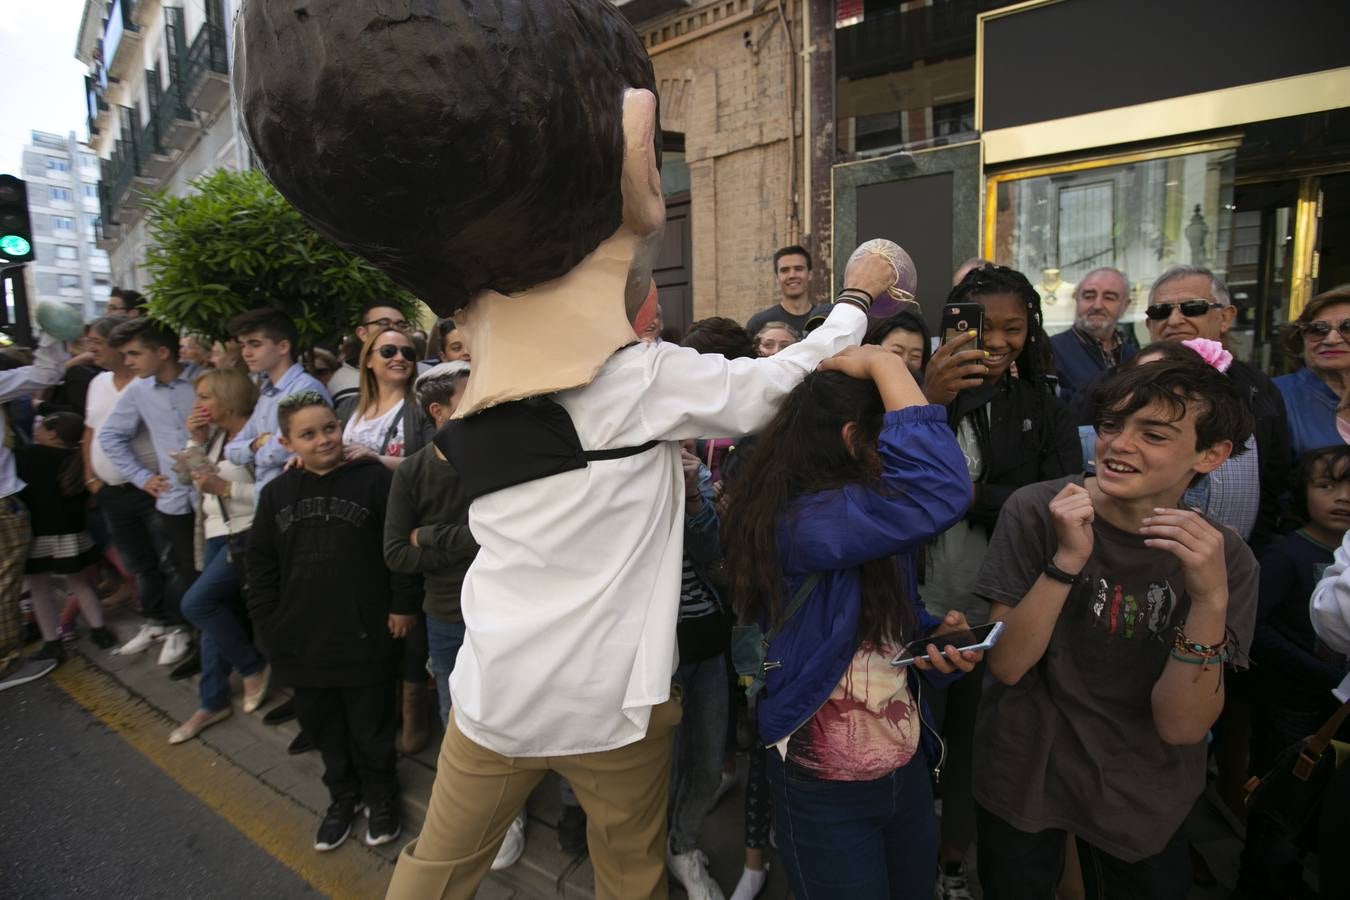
pixel 700 744
pixel 855 840
pixel 443 642
pixel 215 604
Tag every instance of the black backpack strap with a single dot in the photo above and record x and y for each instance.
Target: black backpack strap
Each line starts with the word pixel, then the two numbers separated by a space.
pixel 516 442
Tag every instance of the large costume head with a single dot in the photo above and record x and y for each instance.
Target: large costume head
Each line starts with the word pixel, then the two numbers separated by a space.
pixel 469 149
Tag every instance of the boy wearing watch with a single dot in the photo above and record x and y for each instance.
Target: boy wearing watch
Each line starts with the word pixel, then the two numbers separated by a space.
pixel 1122 611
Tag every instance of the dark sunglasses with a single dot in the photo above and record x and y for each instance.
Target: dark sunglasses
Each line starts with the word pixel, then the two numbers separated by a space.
pixel 1191 309
pixel 1316 331
pixel 388 351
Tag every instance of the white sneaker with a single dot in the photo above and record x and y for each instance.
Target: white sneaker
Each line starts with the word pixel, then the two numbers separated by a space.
pixel 751 884
pixel 146 636
pixel 513 846
pixel 954 886
pixel 176 646
pixel 691 870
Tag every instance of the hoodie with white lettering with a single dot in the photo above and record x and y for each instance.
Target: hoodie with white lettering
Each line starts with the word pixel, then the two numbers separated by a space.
pixel 319 592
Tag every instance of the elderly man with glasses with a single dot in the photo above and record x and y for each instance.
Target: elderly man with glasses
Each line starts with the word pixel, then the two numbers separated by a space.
pixel 1192 302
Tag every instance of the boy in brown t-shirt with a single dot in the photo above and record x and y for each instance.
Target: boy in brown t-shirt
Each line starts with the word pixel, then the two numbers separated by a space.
pixel 1121 611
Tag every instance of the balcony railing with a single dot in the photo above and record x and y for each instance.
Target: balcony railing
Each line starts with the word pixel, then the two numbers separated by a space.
pixel 894 40
pixel 120 29
pixel 207 53
pixel 95 101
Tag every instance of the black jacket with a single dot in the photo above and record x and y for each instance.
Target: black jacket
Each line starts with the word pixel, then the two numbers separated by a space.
pixel 1275 453
pixel 319 593
pixel 1025 437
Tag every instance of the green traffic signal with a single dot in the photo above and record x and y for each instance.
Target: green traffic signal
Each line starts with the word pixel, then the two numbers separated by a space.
pixel 12 245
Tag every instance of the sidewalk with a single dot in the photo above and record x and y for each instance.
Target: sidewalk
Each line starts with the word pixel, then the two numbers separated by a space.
pixel 543 872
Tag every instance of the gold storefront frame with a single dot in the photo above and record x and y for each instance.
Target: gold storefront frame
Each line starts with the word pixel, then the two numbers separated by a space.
pixel 992 182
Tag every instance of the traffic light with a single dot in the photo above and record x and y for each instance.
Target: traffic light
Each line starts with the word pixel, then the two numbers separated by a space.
pixel 16 230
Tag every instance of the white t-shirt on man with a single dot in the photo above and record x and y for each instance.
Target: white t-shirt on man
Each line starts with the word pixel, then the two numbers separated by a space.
pixel 99 403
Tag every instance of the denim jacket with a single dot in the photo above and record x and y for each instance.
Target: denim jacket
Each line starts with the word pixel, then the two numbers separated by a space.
pixel 925 490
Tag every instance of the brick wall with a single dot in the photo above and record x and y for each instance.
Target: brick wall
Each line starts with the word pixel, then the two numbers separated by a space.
pixel 722 72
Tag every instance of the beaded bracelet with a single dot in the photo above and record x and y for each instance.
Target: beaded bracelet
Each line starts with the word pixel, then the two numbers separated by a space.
pixel 1205 652
pixel 1198 660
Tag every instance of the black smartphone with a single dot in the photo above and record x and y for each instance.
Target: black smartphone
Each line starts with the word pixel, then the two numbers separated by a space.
pixel 980 637
pixel 959 318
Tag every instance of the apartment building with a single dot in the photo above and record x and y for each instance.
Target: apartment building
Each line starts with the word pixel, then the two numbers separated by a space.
pixel 159 110
pixel 63 176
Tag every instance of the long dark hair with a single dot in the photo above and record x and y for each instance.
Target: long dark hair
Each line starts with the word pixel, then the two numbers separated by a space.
pixel 1035 361
pixel 801 452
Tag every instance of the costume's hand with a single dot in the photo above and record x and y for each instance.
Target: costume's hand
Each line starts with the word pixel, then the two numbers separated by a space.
pixel 1072 512
pixel 84 359
pixel 953 369
pixel 157 485
pixel 953 661
pixel 399 625
pixel 870 272
pixel 1200 547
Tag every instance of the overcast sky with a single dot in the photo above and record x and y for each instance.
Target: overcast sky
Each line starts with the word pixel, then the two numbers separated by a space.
pixel 43 83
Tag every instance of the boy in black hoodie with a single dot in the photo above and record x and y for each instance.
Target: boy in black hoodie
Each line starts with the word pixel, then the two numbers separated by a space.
pixel 326 610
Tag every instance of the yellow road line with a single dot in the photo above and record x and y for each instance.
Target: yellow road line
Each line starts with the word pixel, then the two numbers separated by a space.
pixel 271 820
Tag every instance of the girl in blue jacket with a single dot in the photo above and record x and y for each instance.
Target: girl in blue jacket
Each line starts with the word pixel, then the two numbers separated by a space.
pixel 850 479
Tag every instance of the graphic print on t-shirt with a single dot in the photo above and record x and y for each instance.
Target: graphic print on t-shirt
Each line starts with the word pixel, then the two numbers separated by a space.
pixel 869 726
pixel 1119 612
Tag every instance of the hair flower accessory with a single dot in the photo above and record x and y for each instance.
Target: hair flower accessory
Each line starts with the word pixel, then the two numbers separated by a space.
pixel 1211 352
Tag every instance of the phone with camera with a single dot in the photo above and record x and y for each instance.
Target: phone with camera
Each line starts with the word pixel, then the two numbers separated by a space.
pixel 979 637
pixel 959 318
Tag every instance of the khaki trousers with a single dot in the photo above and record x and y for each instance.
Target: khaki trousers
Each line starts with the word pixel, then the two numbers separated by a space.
pixel 478 792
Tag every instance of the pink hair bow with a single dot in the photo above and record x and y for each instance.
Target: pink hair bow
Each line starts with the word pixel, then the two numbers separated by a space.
pixel 1211 352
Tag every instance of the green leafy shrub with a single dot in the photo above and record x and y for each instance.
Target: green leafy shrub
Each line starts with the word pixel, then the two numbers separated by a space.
pixel 234 244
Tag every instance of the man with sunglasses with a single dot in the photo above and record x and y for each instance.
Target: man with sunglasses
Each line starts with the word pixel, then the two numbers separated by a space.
pixel 1192 302
pixel 346 381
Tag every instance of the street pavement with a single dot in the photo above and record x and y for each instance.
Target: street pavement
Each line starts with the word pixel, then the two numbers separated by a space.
pixel 95 803
pixel 83 814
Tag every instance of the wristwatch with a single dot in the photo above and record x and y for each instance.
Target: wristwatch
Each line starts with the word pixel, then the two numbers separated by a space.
pixel 1055 572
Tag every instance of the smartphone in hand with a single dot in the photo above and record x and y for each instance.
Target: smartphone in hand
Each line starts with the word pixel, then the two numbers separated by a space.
pixel 959 318
pixel 980 637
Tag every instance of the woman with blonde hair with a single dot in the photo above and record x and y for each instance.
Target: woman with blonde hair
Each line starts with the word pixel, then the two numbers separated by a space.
pixel 383 419
pixel 215 602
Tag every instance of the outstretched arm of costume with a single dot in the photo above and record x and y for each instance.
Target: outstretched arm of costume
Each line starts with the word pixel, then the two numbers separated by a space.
pixel 48 368
pixel 924 490
pixel 1331 602
pixel 691 395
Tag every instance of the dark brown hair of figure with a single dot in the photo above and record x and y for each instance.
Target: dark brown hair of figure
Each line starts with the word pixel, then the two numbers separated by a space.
pixel 459 146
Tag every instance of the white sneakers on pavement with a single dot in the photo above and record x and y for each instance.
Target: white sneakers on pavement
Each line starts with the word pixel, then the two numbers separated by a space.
pixel 691 870
pixel 177 645
pixel 513 846
pixel 146 636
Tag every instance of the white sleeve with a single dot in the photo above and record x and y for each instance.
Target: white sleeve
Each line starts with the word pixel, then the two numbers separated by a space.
pixel 48 368
pixel 1331 601
pixel 695 395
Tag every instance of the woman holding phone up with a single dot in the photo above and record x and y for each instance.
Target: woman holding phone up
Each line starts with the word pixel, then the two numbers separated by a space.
pixel 996 381
pixel 854 474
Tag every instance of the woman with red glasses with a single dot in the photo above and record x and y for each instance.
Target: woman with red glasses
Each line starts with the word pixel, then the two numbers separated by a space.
pixel 1317 394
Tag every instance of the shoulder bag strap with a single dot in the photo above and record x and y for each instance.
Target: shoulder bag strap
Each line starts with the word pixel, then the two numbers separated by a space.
pixel 1316 745
pixel 808 585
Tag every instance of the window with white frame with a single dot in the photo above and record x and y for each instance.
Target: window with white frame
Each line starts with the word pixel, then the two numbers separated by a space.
pixel 60 195
pixel 70 282
pixel 65 251
pixel 63 223
pixel 56 164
